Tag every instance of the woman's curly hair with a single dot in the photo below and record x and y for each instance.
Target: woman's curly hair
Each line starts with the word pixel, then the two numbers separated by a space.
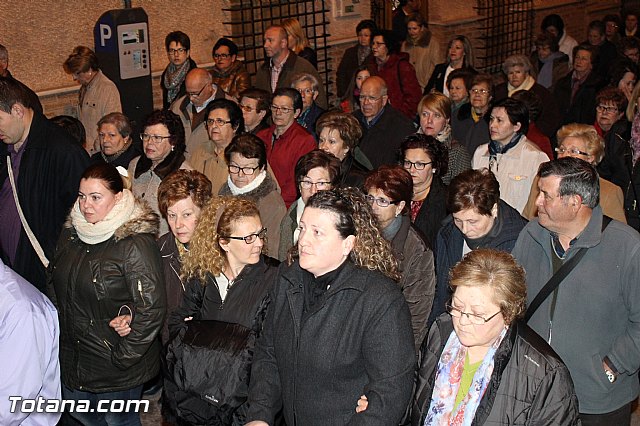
pixel 371 250
pixel 216 221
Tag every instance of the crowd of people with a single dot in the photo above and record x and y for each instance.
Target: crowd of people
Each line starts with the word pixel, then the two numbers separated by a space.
pixel 437 246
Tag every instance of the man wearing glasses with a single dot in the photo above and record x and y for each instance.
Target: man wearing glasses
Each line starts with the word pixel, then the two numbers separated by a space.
pixel 191 107
pixel 592 319
pixel 383 127
pixel 281 64
pixel 286 141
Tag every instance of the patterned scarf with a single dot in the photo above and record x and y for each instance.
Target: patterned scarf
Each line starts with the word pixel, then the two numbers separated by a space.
pixel 173 79
pixel 450 367
pixel 635 137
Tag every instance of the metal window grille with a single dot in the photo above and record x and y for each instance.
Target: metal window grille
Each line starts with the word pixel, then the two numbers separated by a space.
pixel 250 18
pixel 507 27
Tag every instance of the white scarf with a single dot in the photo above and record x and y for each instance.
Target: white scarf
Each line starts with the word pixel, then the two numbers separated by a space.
pixel 94 233
pixel 249 187
pixel 526 85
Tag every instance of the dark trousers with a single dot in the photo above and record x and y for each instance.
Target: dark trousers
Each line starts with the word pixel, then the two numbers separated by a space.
pixel 95 418
pixel 619 417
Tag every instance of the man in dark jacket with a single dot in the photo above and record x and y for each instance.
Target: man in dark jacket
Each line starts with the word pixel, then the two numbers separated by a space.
pixel 384 127
pixel 47 166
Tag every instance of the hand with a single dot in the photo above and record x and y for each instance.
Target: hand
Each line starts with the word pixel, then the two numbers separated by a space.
pixel 257 423
pixel 121 325
pixel 363 403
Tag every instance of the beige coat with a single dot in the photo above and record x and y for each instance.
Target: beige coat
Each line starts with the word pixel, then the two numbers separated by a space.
pixel 101 98
pixel 423 58
pixel 611 201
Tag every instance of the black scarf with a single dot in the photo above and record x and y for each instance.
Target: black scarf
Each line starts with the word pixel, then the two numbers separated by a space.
pixel 475 243
pixel 315 287
pixel 171 163
pixel 496 148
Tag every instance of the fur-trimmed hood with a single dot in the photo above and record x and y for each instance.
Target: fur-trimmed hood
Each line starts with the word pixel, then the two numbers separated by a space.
pixel 145 222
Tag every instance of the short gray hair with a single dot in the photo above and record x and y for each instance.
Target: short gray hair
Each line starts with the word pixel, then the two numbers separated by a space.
pixel 299 78
pixel 577 177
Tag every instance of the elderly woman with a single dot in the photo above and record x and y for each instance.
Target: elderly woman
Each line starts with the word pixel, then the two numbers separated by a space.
pixel 223 121
pixel 423 49
pixel 478 218
pixel 510 155
pixel 389 190
pixel 337 327
pixel 394 67
pixel 228 73
pixel 481 364
pixel 315 171
pixel 471 124
pixel 340 134
pixel 426 160
pixel 255 104
pixel 517 68
pixel 107 263
pixel 614 128
pixel 582 141
pixel 458 83
pixel 549 64
pixel 459 55
pixel 298 41
pixel 434 111
pixel 178 46
pixel 181 198
pixel 308 87
pixel 116 144
pixel 98 96
pixel 163 144
pixel 227 284
pixel 246 159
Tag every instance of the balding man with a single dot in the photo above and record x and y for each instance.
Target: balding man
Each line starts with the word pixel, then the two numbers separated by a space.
pixel 191 107
pixel 384 127
pixel 282 64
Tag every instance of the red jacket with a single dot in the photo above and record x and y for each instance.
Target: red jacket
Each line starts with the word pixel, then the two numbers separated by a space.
pixel 284 153
pixel 403 88
pixel 536 136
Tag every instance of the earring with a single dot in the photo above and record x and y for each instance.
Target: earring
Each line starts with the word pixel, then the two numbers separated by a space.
pixel 433 171
pixel 172 148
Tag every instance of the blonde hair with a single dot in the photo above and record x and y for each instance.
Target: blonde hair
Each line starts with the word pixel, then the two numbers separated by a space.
pixel 217 220
pixel 498 271
pixel 586 132
pixel 632 107
pixel 294 29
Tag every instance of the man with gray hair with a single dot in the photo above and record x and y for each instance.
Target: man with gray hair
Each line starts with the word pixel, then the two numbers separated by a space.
pixel 592 318
pixel 309 88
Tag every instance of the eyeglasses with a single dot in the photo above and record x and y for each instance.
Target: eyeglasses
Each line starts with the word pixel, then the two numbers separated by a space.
pixel 278 109
pixel 251 238
pixel 606 109
pixel 479 91
pixel 195 95
pixel 219 122
pixel 234 170
pixel 306 91
pixel 382 202
pixel 574 151
pixel 180 50
pixel 320 186
pixel 221 56
pixel 153 138
pixel 369 99
pixel 473 318
pixel 246 108
pixel 418 165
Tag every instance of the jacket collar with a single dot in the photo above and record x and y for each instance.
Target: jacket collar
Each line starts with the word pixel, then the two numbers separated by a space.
pixel 590 236
pixel 294 276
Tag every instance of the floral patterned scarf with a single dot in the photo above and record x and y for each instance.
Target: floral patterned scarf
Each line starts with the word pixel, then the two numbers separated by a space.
pixel 450 367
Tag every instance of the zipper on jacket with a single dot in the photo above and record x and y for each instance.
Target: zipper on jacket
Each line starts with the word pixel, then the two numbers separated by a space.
pixel 141 295
pixel 109 346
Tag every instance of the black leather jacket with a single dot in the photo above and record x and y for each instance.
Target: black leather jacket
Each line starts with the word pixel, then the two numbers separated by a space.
pixel 89 283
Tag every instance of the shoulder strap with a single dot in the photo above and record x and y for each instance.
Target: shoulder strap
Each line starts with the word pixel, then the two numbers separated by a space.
pixel 32 238
pixel 560 275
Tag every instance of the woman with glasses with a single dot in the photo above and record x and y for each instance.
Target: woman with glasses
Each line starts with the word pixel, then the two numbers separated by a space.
pixel 223 121
pixel 178 47
pixel 228 73
pixel 116 144
pixel 389 192
pixel 426 160
pixel 434 111
pixel 477 219
pixel 481 364
pixel 249 178
pixel 227 281
pixel 286 140
pixel 471 126
pixel 163 147
pixel 98 96
pixel 314 171
pixel 583 141
pixel 337 327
